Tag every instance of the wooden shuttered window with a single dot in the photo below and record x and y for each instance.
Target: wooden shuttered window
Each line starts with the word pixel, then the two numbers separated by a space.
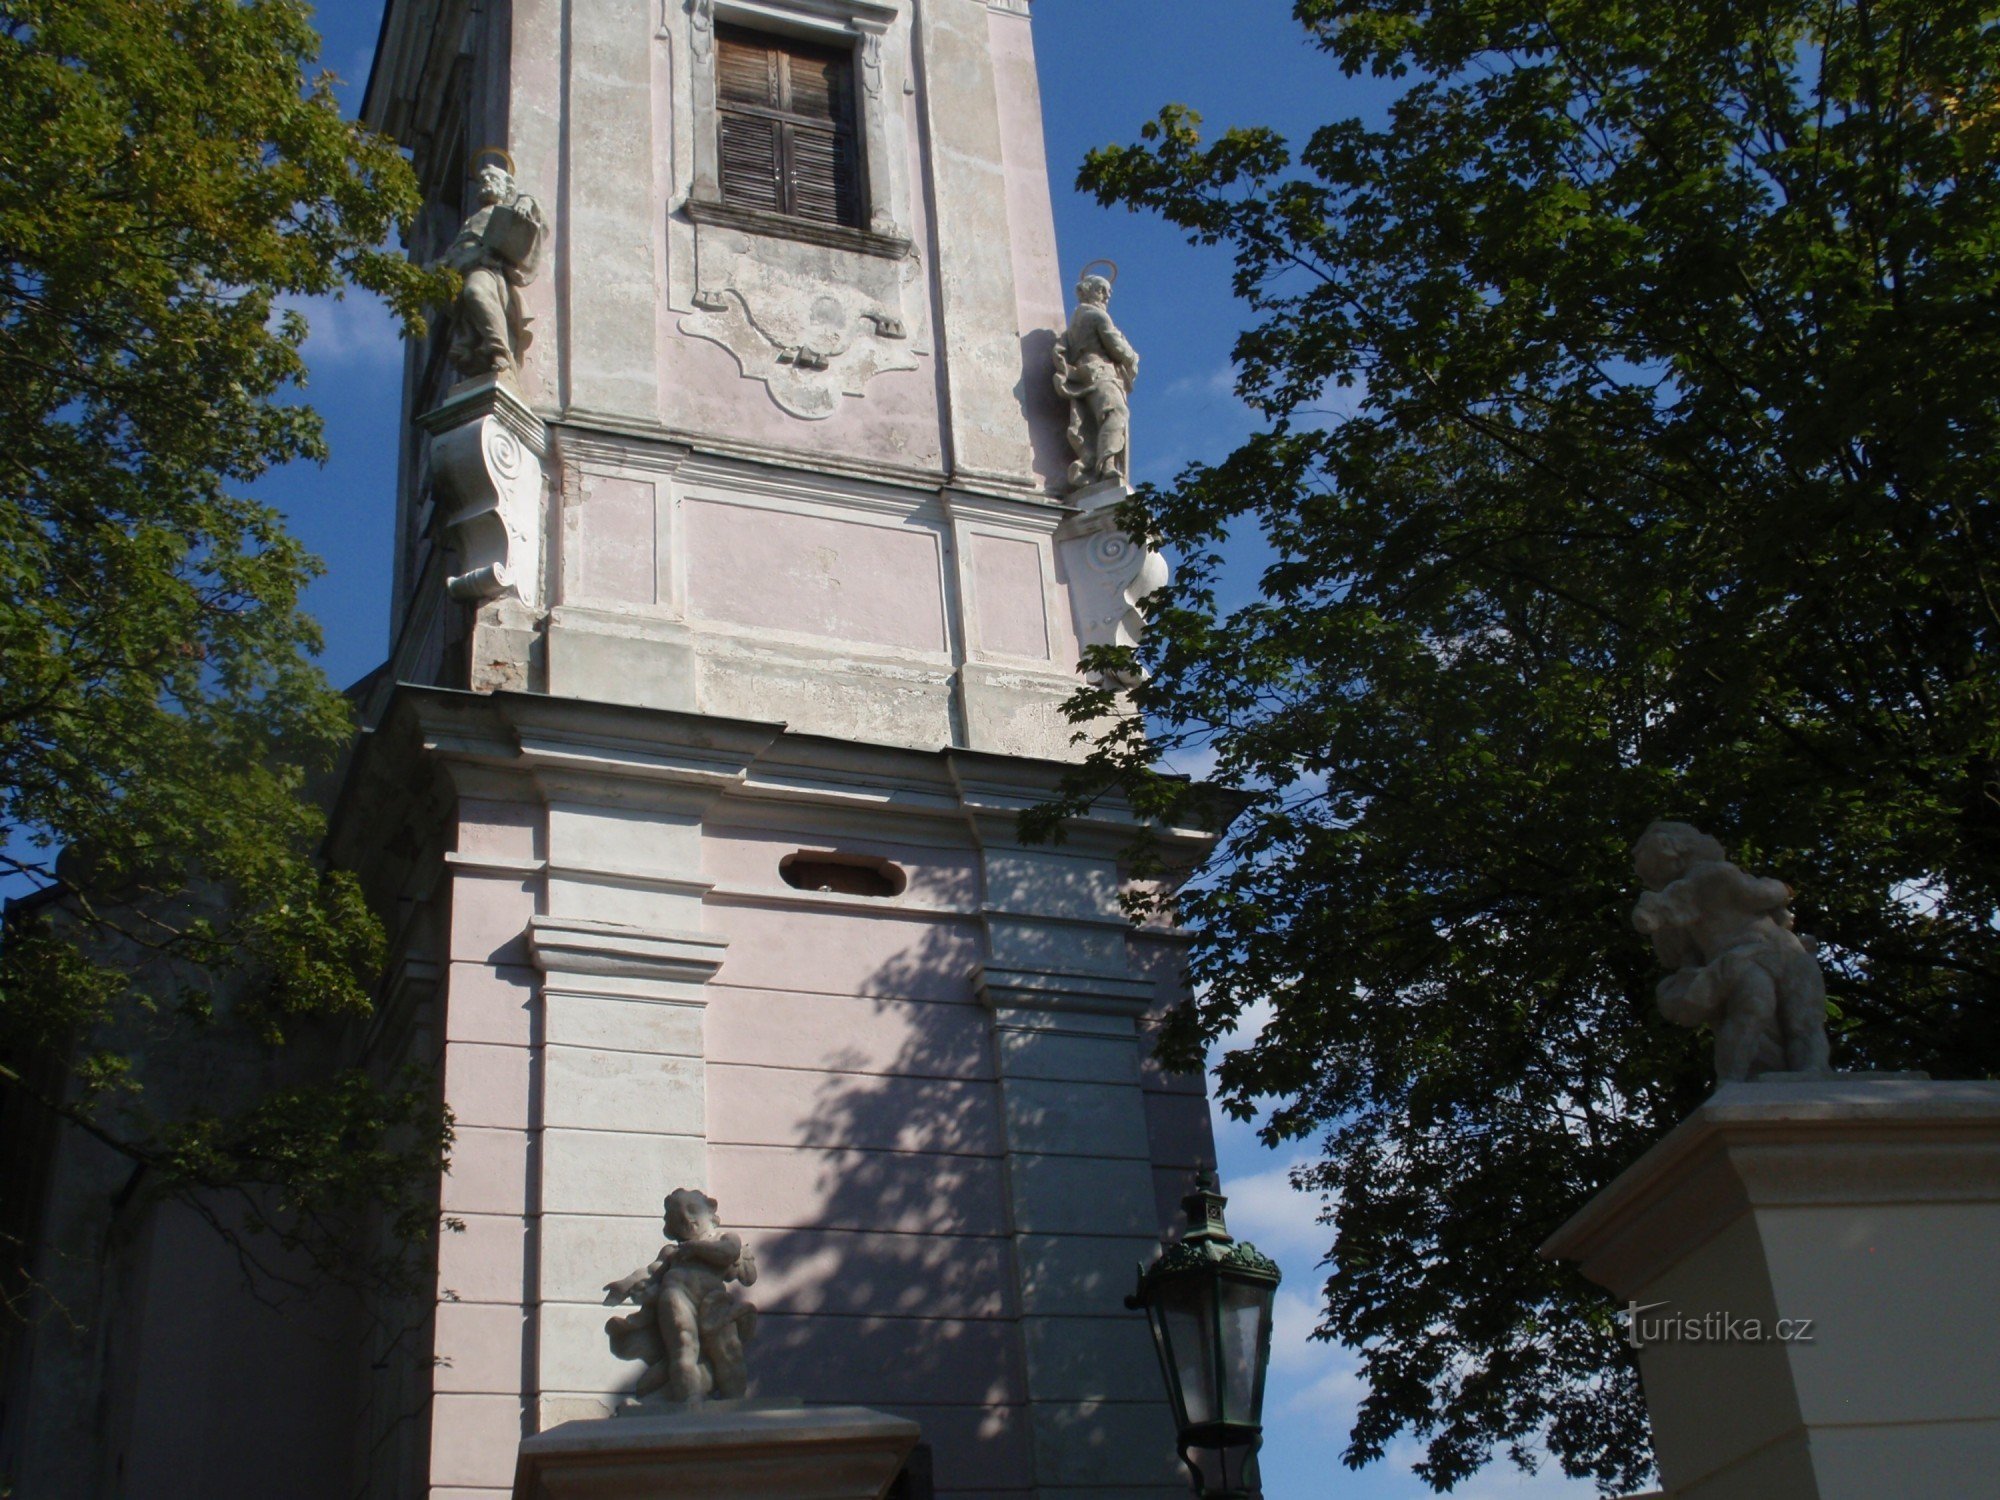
pixel 788 132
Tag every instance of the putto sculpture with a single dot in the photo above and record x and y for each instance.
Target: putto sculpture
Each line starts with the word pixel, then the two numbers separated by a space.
pixel 689 1326
pixel 1096 369
pixel 497 252
pixel 1737 964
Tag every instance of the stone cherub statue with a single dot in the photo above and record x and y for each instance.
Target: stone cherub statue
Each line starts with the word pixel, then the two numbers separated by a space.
pixel 1096 369
pixel 690 1327
pixel 497 252
pixel 1738 965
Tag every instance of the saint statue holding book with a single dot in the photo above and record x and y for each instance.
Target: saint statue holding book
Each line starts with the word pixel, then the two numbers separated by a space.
pixel 497 252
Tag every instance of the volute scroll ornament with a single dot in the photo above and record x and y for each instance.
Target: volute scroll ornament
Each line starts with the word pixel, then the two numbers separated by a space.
pixel 1121 573
pixel 486 460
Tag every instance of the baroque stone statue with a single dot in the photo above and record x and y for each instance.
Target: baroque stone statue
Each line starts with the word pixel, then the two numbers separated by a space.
pixel 497 252
pixel 690 1326
pixel 1096 369
pixel 1737 964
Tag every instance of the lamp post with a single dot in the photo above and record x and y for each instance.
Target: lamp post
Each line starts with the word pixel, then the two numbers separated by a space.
pixel 1208 1299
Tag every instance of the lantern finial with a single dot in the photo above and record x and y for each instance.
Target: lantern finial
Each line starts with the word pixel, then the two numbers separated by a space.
pixel 1203 1208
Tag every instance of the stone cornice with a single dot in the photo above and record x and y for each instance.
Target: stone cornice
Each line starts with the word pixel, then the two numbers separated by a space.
pixel 1025 510
pixel 849 16
pixel 1002 988
pixel 595 751
pixel 577 946
pixel 1770 1145
pixel 810 461
pixel 490 397
pixel 652 454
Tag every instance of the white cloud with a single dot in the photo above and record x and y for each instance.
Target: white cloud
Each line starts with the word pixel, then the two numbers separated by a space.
pixel 1294 1350
pixel 1280 1220
pixel 1330 1400
pixel 1217 384
pixel 346 332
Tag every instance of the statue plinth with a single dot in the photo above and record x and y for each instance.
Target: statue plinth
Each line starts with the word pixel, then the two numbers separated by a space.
pixel 726 1449
pixel 1101 497
pixel 1817 1286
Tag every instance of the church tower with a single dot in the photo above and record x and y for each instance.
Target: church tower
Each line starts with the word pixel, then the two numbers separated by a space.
pixel 741 572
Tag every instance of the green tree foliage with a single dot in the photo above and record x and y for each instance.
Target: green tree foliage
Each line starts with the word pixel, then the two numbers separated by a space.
pixel 167 175
pixel 1632 450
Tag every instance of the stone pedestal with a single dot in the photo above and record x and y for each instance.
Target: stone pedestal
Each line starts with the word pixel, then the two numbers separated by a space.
pixel 720 1451
pixel 1816 1268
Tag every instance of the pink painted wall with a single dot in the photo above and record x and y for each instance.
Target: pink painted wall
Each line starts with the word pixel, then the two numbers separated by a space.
pixel 845 580
pixel 616 539
pixel 1008 584
pixel 534 54
pixel 706 392
pixel 854 1125
pixel 856 1137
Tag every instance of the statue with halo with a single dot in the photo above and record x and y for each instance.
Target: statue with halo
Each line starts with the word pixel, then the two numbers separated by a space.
pixel 497 251
pixel 1096 368
pixel 689 1326
pixel 1738 965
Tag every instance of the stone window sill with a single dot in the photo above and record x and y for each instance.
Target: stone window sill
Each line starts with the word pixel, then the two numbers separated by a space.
pixel 784 226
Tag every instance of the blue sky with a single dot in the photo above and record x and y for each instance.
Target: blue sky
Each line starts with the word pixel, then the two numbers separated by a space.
pixel 1107 65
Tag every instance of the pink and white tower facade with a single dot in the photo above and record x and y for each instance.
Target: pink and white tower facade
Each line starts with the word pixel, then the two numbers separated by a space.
pixel 732 632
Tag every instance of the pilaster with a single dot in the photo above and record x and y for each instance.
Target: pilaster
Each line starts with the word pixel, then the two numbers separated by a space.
pixel 611 288
pixel 622 1121
pixel 1066 1007
pixel 1080 1188
pixel 975 264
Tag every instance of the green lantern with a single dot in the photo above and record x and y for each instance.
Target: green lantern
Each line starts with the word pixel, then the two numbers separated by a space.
pixel 1209 1300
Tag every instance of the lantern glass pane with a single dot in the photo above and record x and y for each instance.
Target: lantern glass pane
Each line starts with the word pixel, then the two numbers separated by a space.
pixel 1246 1306
pixel 1189 1309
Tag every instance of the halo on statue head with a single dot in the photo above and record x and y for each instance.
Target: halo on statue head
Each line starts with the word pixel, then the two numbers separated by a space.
pixel 1109 265
pixel 506 159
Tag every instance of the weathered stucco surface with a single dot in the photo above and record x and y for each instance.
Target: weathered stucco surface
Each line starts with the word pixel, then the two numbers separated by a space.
pixel 930 1113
